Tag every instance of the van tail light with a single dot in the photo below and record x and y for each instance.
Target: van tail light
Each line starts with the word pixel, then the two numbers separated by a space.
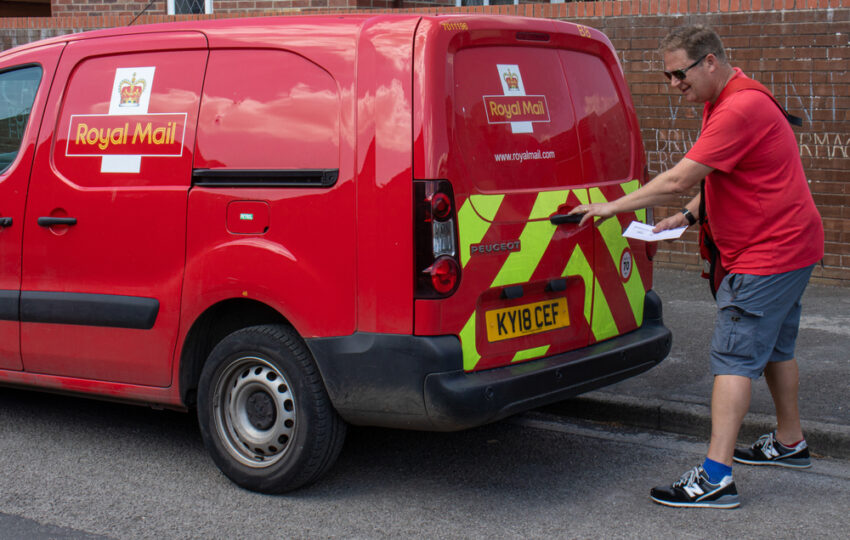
pixel 444 274
pixel 651 247
pixel 436 270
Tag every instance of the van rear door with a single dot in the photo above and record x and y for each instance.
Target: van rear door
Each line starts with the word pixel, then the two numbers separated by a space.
pixel 516 142
pixel 612 161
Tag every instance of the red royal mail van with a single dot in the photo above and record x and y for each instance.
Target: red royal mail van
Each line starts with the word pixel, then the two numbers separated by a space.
pixel 291 224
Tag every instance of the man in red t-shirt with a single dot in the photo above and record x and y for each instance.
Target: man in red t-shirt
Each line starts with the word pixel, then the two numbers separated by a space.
pixel 769 236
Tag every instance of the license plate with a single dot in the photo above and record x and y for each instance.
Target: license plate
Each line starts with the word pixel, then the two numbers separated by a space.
pixel 527 319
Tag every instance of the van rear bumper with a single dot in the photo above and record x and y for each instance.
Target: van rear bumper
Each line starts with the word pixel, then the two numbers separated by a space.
pixel 417 382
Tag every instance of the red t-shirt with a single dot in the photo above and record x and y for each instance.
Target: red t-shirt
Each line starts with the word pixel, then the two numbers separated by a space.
pixel 763 218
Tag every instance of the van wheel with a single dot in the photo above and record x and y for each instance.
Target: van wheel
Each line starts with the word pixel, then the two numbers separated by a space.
pixel 264 414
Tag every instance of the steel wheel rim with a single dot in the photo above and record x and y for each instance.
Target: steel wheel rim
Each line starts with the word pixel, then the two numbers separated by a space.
pixel 254 411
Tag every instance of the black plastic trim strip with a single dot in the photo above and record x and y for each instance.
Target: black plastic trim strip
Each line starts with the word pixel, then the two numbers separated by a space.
pixel 323 178
pixel 85 309
pixel 10 301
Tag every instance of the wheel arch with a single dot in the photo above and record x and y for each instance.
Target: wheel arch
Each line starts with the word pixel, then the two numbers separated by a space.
pixel 214 324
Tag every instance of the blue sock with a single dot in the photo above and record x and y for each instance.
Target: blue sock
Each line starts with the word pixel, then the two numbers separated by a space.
pixel 715 471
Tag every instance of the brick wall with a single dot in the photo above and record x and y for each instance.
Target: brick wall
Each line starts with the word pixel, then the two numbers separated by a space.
pixel 798 48
pixel 95 8
pixel 61 8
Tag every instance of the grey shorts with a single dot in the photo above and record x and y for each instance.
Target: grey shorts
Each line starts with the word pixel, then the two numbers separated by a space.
pixel 757 321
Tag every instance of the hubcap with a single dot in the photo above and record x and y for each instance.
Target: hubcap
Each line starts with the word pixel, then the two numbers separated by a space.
pixel 254 411
pixel 261 410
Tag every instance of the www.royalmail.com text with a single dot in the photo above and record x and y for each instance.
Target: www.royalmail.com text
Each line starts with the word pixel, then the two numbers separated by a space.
pixel 525 156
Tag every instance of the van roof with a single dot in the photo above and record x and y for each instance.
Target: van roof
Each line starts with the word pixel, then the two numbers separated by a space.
pixel 315 22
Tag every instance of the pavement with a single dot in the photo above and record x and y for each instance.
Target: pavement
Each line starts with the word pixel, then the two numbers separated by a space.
pixel 675 396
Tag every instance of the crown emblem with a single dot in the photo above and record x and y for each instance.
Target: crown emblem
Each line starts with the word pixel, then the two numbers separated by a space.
pixel 512 80
pixel 131 91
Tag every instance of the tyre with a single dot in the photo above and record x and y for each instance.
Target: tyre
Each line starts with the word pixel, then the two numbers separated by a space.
pixel 264 414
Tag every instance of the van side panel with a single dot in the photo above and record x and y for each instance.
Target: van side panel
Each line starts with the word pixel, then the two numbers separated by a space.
pixel 272 211
pixel 384 177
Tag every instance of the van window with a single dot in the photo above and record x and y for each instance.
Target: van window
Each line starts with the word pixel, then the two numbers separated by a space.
pixel 513 122
pixel 603 130
pixel 268 110
pixel 127 120
pixel 17 94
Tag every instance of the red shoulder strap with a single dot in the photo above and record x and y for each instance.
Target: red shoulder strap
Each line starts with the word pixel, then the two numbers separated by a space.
pixel 745 83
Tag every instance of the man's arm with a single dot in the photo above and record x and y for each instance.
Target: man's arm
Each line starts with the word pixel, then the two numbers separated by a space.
pixel 665 187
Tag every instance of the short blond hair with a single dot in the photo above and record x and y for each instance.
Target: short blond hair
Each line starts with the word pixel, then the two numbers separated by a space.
pixel 697 41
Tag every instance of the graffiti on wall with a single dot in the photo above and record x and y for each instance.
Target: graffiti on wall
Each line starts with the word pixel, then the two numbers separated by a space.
pixel 801 98
pixel 671 144
pixel 824 145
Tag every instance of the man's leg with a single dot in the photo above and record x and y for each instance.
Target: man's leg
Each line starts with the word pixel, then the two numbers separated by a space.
pixel 710 485
pixel 730 400
pixel 784 447
pixel 733 364
pixel 783 380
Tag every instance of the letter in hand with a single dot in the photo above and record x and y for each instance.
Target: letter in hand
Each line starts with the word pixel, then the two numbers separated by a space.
pixel 671 222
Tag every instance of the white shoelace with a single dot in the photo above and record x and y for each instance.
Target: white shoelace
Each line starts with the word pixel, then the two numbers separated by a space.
pixel 765 443
pixel 689 478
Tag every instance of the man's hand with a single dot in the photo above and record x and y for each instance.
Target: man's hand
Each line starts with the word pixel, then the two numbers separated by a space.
pixel 662 189
pixel 673 222
pixel 603 210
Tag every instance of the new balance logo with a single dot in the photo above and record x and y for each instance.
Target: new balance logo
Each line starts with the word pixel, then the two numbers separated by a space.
pixel 693 491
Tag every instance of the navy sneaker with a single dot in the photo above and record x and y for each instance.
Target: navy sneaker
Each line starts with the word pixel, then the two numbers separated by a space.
pixel 768 451
pixel 693 489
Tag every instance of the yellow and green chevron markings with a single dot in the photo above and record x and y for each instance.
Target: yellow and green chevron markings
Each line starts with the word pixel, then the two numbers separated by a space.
pixel 475 217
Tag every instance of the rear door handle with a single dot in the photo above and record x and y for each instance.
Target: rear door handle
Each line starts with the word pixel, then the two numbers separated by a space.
pixel 559 219
pixel 5 222
pixel 52 221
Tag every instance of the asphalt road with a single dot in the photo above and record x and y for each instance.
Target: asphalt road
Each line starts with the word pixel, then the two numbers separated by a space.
pixel 79 469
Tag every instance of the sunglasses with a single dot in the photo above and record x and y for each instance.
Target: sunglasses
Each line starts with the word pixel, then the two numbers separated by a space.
pixel 680 74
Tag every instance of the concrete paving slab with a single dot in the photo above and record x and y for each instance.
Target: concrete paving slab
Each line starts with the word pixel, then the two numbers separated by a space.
pixel 676 395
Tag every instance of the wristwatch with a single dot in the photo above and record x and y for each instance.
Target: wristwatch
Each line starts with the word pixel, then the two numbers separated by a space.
pixel 690 217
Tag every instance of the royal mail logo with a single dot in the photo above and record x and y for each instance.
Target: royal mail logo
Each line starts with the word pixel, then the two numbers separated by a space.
pixel 128 132
pixel 511 79
pixel 505 109
pixel 130 91
pixel 514 106
pixel 125 135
